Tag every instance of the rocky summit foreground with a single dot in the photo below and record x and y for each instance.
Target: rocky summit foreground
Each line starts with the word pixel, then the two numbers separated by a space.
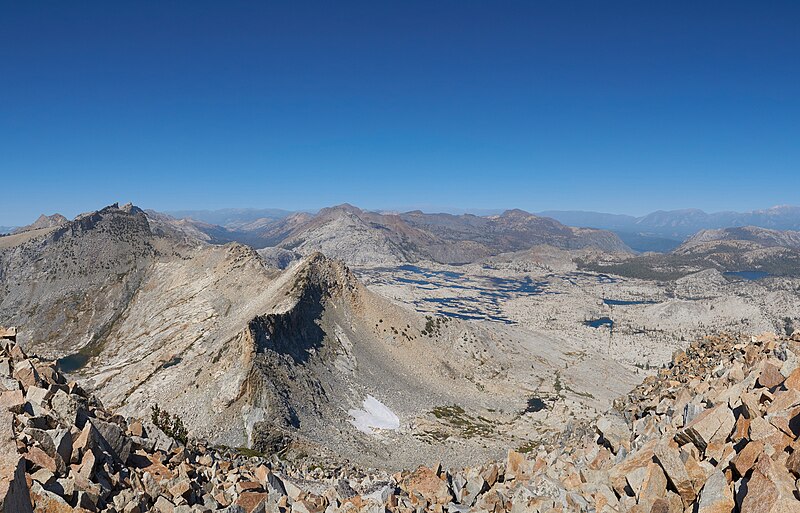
pixel 716 431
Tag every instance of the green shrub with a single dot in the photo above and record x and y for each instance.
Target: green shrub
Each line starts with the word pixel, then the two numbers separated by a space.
pixel 172 425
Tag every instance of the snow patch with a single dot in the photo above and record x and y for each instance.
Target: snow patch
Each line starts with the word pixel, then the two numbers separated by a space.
pixel 374 416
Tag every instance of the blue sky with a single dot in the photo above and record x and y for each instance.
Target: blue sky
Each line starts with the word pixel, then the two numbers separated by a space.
pixel 625 107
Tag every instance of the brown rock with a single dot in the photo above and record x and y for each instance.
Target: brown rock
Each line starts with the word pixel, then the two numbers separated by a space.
pixel 40 459
pixel 770 488
pixel 638 459
pixel 793 461
pixel 742 429
pixel 760 429
pixel 136 428
pixel 714 424
pixel 181 489
pixel 697 473
pixel 793 381
pixel 25 373
pixel 515 465
pixel 746 458
pixel 14 494
pixel 48 502
pixel 12 400
pixel 250 501
pixel 670 460
pixel 426 483
pixel 770 376
pixel 248 486
pixel 654 485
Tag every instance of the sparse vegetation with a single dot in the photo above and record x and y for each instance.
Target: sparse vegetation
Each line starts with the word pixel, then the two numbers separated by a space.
pixel 466 425
pixel 172 425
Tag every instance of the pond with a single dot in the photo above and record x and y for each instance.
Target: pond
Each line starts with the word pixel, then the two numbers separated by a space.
pixel 72 363
pixel 747 275
pixel 602 321
pixel 535 404
pixel 622 302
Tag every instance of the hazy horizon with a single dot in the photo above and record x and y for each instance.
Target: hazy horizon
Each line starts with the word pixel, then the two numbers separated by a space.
pixel 428 209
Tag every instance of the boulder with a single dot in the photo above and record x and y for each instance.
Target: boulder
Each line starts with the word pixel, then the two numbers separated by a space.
pixel 713 425
pixel 253 502
pixel 716 496
pixel 14 494
pixel 428 485
pixel 115 441
pixel 770 488
pixel 746 458
pixel 670 460
pixel 615 433
pixel 770 376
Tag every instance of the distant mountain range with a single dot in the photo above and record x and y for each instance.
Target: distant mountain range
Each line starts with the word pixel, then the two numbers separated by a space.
pixel 361 237
pixel 659 231
pixel 453 238
pixel 761 236
pixel 680 224
pixel 230 217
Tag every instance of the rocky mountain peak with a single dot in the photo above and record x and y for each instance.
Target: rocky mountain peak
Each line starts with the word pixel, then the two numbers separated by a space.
pixel 344 208
pixel 44 221
pixel 326 276
pixel 516 213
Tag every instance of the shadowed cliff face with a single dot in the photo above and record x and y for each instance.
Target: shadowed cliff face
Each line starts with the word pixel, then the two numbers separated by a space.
pixel 295 333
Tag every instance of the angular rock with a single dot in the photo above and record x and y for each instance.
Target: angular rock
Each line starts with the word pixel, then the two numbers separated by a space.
pixel 14 494
pixel 769 490
pixel 253 502
pixel 670 460
pixel 428 485
pixel 716 496
pixel 770 376
pixel 714 424
pixel 115 440
pixel 615 432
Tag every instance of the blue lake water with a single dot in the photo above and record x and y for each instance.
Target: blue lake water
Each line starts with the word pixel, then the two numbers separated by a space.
pixel 602 321
pixel 621 302
pixel 747 275
pixel 72 362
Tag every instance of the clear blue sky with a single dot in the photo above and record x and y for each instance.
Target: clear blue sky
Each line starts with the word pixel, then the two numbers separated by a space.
pixel 614 106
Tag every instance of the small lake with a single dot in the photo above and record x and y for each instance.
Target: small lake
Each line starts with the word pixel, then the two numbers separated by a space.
pixel 535 404
pixel 602 321
pixel 747 275
pixel 72 363
pixel 621 302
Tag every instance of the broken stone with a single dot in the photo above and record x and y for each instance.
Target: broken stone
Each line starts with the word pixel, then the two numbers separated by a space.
pixel 770 376
pixel 114 438
pixel 428 485
pixel 716 496
pixel 614 432
pixel 14 494
pixel 669 459
pixel 714 424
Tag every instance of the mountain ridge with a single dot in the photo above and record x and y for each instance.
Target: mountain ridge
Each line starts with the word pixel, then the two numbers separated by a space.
pixel 682 223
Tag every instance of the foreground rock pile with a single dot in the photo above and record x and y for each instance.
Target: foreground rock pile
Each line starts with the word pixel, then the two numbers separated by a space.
pixel 716 431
